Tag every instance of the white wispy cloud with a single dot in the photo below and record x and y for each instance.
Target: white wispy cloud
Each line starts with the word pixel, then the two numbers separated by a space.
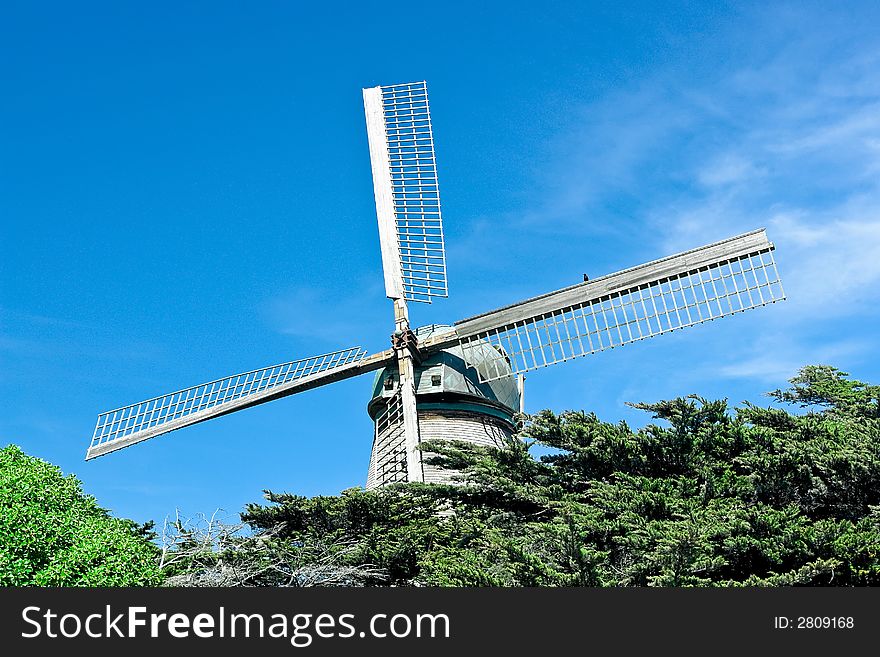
pixel 729 169
pixel 778 358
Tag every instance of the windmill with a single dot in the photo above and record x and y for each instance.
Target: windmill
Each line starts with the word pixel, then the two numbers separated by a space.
pixel 464 380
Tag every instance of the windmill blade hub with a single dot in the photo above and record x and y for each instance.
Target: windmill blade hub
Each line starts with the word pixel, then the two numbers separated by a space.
pixel 451 402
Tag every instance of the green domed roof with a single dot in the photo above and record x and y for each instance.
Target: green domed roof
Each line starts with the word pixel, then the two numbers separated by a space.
pixel 445 374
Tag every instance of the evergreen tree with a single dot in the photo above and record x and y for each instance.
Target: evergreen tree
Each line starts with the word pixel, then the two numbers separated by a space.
pixel 707 496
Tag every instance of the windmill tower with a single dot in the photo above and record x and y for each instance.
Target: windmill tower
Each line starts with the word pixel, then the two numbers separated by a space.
pixel 461 381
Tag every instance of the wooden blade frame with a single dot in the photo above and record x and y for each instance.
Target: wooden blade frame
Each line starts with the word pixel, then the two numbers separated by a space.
pixel 410 235
pixel 126 426
pixel 682 290
pixel 406 191
pixel 388 460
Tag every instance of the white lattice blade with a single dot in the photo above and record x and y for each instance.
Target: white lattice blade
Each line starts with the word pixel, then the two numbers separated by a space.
pixel 135 423
pixel 388 458
pixel 642 302
pixel 406 190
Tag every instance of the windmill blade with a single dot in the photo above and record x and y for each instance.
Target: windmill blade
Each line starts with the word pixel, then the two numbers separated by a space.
pixel 132 424
pixel 682 290
pixel 406 190
pixel 388 460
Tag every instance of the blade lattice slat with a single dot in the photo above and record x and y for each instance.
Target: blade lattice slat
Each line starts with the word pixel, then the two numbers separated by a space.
pixel 388 460
pixel 415 191
pixel 121 424
pixel 628 315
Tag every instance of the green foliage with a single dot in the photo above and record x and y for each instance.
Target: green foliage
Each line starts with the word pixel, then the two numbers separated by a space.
pixel 52 534
pixel 391 529
pixel 707 496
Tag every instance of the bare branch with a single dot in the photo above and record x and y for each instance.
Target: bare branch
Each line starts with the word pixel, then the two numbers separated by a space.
pixel 209 551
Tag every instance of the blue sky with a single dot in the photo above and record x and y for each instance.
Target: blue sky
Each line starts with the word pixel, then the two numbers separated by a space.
pixel 185 193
